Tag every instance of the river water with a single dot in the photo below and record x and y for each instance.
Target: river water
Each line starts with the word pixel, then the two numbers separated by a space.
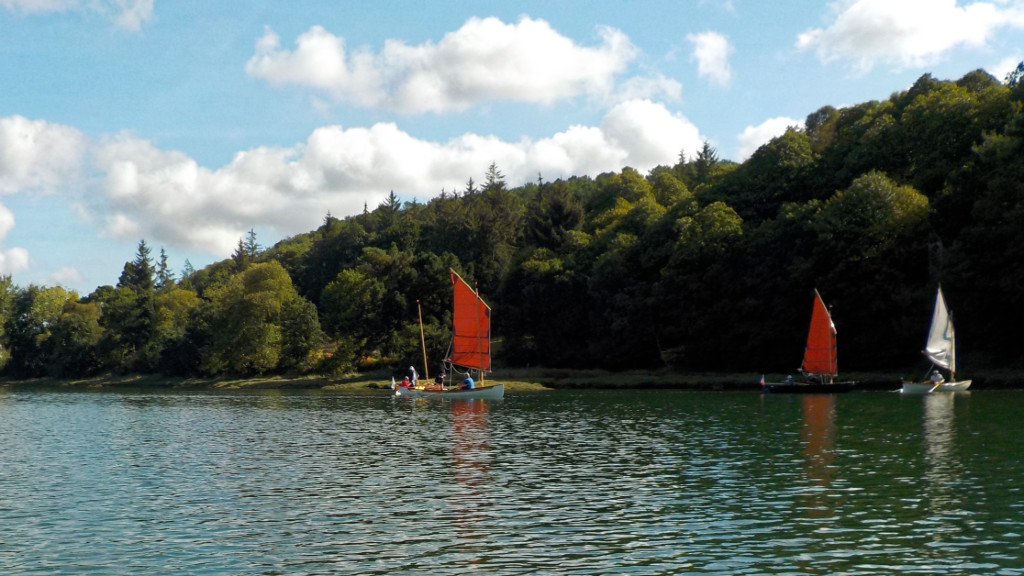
pixel 567 482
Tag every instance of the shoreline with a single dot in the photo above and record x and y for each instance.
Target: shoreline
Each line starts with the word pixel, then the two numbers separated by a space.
pixel 515 380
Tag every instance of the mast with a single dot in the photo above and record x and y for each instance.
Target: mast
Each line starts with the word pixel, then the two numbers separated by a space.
pixel 423 341
pixel 476 290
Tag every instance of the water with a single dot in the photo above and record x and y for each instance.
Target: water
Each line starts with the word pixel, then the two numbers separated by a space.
pixel 552 483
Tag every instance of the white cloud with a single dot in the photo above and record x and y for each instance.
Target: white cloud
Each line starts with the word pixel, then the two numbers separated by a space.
pixel 711 50
pixel 37 155
pixel 132 14
pixel 650 133
pixel 727 5
pixel 906 33
pixel 484 60
pixel 66 276
pixel 165 196
pixel 35 6
pixel 129 14
pixel 753 137
pixel 134 189
pixel 1002 68
pixel 658 86
pixel 12 259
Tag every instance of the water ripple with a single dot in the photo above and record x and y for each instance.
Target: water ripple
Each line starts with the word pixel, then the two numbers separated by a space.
pixel 561 483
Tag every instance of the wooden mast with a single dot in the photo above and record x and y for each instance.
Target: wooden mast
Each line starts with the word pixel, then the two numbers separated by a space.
pixel 423 341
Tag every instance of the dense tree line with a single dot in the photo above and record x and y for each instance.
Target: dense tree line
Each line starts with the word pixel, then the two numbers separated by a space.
pixel 706 264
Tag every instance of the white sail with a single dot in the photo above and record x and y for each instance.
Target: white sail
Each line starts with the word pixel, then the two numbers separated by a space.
pixel 941 345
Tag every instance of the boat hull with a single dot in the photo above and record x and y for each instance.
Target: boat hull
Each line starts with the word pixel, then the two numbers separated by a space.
pixel 495 392
pixel 929 387
pixel 808 388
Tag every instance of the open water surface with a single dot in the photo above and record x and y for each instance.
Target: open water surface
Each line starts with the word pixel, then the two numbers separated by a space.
pixel 583 482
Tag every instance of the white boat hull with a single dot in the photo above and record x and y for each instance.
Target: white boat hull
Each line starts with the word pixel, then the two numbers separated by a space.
pixel 929 387
pixel 495 392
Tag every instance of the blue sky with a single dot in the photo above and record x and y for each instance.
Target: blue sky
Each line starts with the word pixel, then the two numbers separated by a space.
pixel 188 123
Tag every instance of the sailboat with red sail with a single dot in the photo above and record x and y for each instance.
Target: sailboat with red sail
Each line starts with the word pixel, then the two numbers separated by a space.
pixel 820 366
pixel 470 350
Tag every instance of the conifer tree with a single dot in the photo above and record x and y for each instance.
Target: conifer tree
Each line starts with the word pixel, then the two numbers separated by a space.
pixel 494 179
pixel 164 277
pixel 252 248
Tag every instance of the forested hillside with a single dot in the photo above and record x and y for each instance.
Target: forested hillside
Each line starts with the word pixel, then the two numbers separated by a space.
pixel 706 264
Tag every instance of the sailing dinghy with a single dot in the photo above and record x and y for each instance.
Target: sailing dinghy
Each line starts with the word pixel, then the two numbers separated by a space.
pixel 470 349
pixel 819 367
pixel 941 351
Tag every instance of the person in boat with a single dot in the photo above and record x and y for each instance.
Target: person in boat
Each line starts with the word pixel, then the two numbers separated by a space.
pixel 467 383
pixel 413 375
pixel 789 379
pixel 937 378
pixel 439 379
pixel 405 382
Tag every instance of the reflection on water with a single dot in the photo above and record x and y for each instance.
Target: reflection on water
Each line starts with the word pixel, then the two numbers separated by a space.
pixel 470 465
pixel 818 436
pixel 943 472
pixel 939 436
pixel 560 483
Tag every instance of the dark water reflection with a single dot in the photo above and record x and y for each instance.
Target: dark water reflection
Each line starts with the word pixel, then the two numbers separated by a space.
pixel 555 483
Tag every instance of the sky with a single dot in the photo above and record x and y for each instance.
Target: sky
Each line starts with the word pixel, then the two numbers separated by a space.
pixel 187 124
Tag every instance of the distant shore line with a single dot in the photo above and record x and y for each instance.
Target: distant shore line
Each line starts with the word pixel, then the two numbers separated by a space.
pixel 515 380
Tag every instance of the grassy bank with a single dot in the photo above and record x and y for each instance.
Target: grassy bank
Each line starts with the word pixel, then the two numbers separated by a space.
pixel 515 380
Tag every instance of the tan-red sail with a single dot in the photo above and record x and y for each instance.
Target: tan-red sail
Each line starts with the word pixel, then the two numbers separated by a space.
pixel 820 354
pixel 471 324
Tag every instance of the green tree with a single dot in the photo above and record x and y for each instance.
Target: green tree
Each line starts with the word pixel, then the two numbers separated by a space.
pixel 351 306
pixel 164 276
pixel 705 163
pixel 138 274
pixel 547 309
pixel 129 317
pixel 8 292
pixel 1015 76
pixel 777 172
pixel 494 179
pixel 252 248
pixel 874 229
pixel 174 311
pixel 71 350
pixel 302 335
pixel 692 299
pixel 249 336
pixel 34 315
pixel 554 213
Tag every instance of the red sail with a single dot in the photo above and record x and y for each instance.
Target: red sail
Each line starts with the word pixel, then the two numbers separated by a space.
pixel 471 323
pixel 820 354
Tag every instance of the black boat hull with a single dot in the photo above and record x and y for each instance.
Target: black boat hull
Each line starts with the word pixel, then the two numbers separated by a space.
pixel 808 388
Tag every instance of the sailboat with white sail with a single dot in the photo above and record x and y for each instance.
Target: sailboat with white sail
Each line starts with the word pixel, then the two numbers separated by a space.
pixel 940 349
pixel 469 353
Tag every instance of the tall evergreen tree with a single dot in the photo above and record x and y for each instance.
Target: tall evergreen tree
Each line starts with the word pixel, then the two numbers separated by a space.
pixel 241 256
pixel 129 317
pixel 164 276
pixel 138 274
pixel 252 248
pixel 494 179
